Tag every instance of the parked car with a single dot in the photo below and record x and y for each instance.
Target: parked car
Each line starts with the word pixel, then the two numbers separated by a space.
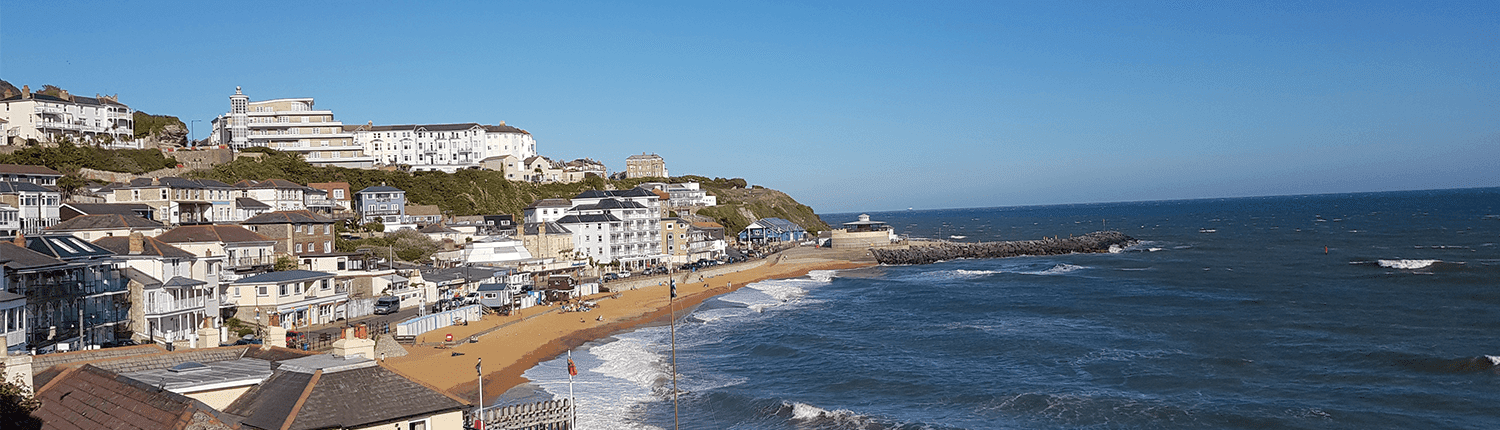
pixel 387 305
pixel 611 276
pixel 471 299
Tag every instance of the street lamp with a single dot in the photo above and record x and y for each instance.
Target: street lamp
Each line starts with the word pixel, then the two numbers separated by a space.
pixel 192 133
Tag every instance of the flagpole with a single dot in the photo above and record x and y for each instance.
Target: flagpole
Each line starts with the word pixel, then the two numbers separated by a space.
pixel 480 416
pixel 571 397
pixel 672 304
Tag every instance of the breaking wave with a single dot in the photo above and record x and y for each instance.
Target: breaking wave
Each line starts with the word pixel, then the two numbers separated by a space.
pixel 1407 264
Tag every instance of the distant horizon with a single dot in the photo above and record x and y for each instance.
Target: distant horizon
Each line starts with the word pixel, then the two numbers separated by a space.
pixel 848 105
pixel 913 209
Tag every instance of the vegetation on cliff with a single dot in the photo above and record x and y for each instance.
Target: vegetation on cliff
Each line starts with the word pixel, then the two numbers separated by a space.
pixel 67 157
pixel 478 192
pixel 161 127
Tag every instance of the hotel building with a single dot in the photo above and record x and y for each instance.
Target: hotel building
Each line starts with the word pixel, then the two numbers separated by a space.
pixel 290 125
pixel 444 147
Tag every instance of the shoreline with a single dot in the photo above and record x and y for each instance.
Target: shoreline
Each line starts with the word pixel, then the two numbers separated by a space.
pixel 537 334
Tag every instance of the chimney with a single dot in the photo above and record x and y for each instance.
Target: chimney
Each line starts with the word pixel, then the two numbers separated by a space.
pixel 65 96
pixel 351 346
pixel 8 93
pixel 25 91
pixel 502 122
pixel 20 239
pixel 137 243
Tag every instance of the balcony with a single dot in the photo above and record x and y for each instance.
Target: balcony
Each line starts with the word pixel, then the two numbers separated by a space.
pixel 167 306
pixel 241 262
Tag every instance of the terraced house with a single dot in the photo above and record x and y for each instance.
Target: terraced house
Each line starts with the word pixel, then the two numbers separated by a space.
pixel 74 295
pixel 296 233
pixel 441 147
pixel 50 117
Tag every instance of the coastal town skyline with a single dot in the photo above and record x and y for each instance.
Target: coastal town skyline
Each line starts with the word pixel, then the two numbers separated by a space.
pixel 850 107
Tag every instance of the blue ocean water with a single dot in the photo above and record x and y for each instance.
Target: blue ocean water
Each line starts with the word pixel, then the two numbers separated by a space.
pixel 1230 314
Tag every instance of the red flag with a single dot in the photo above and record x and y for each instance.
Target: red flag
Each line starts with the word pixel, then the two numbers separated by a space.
pixel 572 370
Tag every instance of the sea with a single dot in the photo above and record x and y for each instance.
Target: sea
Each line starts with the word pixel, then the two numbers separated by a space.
pixel 1338 311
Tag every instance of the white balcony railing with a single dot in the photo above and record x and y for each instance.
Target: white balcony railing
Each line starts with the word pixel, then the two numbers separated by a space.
pixel 157 307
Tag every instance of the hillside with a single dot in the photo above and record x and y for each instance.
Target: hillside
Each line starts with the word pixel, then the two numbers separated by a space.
pixel 477 192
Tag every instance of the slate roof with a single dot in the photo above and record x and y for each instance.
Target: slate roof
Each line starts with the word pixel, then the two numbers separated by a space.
pixel 633 192
pixel 17 257
pixel 283 276
pixel 27 169
pixel 11 187
pixel 304 396
pixel 134 274
pixel 94 398
pixel 644 157
pixel 380 189
pixel 278 184
pixel 288 217
pixel 249 203
pixel 545 228
pixel 127 209
pixel 550 203
pixel 579 219
pixel 436 229
pixel 778 225
pixel 468 273
pixel 607 204
pixel 65 246
pixel 105 222
pixel 120 245
pixel 211 233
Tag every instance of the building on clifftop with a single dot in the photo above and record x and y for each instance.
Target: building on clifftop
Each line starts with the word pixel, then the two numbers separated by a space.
pixel 290 125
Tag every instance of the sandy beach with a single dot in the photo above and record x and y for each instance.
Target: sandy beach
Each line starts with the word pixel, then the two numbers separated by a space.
pixel 539 333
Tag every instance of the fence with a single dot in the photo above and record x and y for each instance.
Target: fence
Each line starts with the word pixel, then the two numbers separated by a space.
pixel 323 341
pixel 548 415
pixel 409 329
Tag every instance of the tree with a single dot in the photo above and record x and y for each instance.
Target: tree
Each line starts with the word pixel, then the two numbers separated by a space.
pixel 16 404
pixel 375 226
pixel 284 263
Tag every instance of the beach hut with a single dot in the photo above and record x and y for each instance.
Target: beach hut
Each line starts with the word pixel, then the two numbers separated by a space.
pixel 494 295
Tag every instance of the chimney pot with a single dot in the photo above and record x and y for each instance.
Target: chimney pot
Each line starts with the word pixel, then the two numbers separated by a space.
pixel 137 243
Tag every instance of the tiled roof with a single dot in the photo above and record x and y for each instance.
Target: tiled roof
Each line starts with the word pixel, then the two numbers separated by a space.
pixel 211 233
pixel 297 398
pixel 120 245
pixel 423 210
pixel 436 229
pixel 287 217
pixel 283 276
pixel 27 169
pixel 707 225
pixel 94 398
pixel 105 222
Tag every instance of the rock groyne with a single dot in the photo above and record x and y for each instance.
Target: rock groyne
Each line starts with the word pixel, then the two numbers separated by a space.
pixel 1099 241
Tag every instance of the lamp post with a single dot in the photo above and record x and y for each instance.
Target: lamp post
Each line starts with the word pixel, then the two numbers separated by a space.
pixel 192 132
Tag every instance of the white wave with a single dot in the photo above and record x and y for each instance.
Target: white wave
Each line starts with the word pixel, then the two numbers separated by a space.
pixel 1494 359
pixel 809 413
pixel 613 380
pixel 1057 269
pixel 823 276
pixel 1115 249
pixel 945 275
pixel 1407 264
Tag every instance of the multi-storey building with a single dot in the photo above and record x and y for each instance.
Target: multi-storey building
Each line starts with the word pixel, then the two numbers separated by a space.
pixel 245 252
pixel 50 117
pixel 381 203
pixel 616 226
pixel 74 293
pixel 295 297
pixel 37 206
pixel 444 147
pixel 290 125
pixel 684 194
pixel 645 166
pixel 40 175
pixel 296 233
pixel 338 194
pixel 173 290
pixel 280 194
pixel 179 200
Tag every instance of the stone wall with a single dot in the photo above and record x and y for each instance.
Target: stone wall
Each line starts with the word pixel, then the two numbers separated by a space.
pixel 200 158
pixel 843 239
pixel 638 281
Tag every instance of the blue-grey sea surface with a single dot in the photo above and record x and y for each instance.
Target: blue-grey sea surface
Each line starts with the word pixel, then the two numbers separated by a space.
pixel 1346 311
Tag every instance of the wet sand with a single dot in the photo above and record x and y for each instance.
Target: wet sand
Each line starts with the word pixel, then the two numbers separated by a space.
pixel 540 333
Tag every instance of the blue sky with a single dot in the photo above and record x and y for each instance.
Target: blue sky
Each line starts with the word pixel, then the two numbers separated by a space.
pixel 850 106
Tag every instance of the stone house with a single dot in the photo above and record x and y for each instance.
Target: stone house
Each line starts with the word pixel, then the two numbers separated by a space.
pixel 296 232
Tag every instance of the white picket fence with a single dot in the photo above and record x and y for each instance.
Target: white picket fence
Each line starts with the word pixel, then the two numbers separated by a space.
pixel 409 329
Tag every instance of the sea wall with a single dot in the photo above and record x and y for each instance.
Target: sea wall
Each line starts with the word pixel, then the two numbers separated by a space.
pixel 702 275
pixel 1099 241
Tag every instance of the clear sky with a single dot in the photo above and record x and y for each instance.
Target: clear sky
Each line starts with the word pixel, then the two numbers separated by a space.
pixel 849 106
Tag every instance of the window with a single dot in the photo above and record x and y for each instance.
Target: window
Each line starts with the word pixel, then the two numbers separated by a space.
pixel 328 229
pixel 262 291
pixel 327 283
pixel 283 289
pixel 299 248
pixel 327 246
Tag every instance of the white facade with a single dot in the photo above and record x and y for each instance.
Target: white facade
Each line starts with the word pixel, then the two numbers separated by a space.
pixel 85 119
pixel 617 226
pixel 443 147
pixel 496 250
pixel 288 125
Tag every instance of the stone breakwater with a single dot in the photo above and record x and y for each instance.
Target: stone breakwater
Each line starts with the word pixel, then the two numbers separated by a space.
pixel 1099 241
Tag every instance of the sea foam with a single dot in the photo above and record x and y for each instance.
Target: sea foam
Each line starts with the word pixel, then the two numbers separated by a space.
pixel 1407 264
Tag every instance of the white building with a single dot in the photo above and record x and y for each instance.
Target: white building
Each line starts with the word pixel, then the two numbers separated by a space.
pixel 444 147
pixel 288 125
pixel 496 251
pixel 684 194
pixel 47 118
pixel 37 206
pixel 615 226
